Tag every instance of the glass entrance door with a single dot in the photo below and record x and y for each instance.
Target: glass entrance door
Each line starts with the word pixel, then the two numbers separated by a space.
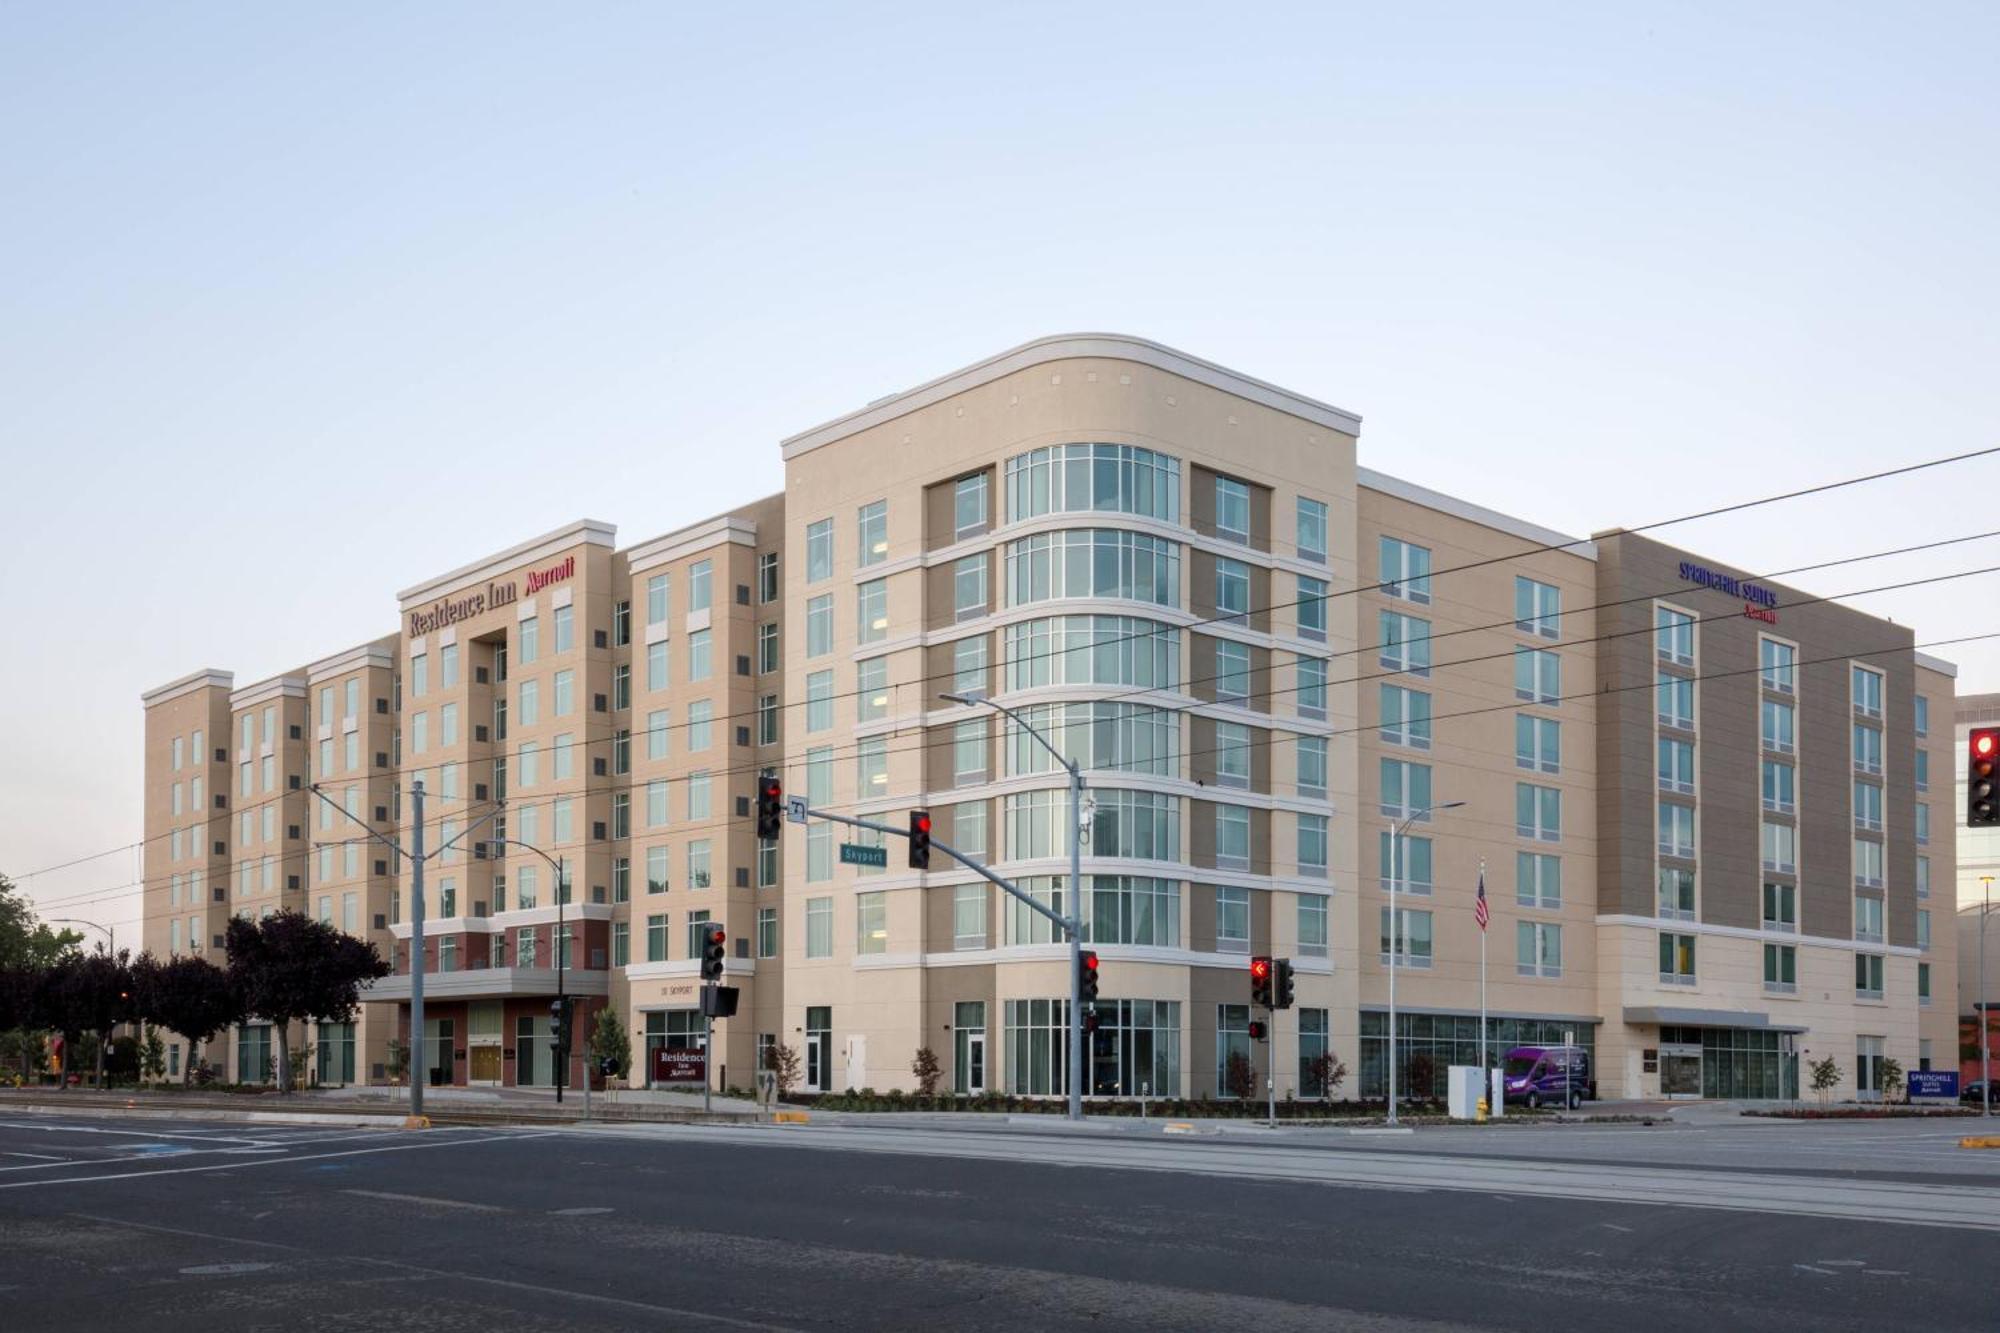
pixel 1680 1071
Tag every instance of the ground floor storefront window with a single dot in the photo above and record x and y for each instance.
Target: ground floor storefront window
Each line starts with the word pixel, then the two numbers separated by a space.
pixel 335 1045
pixel 1738 1064
pixel 1428 1045
pixel 253 1053
pixel 1136 1050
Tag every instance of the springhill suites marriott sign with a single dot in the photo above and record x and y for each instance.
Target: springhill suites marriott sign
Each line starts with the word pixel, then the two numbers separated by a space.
pixel 451 610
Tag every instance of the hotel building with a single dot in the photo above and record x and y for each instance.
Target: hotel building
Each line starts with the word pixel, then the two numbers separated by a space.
pixel 1699 803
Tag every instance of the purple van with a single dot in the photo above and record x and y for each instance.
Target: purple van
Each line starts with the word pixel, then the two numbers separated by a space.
pixel 1547 1076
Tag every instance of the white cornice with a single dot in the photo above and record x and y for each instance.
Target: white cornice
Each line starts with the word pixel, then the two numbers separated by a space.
pixel 1937 664
pixel 277 687
pixel 208 678
pixel 1760 936
pixel 589 531
pixel 1372 480
pixel 380 653
pixel 1070 346
pixel 689 540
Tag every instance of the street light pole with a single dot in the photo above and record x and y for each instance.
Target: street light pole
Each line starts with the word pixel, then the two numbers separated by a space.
pixel 1397 869
pixel 559 864
pixel 1985 1048
pixel 111 944
pixel 1074 923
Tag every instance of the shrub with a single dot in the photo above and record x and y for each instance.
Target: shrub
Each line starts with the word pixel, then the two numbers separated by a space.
pixel 926 1070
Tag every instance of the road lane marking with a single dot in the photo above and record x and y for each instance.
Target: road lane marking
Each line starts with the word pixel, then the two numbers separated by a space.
pixel 427 1200
pixel 271 1161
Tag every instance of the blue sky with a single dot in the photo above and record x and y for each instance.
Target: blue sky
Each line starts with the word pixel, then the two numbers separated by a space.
pixel 305 304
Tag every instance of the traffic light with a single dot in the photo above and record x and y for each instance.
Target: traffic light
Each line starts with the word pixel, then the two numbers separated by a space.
pixel 1257 1030
pixel 920 840
pixel 559 1020
pixel 770 806
pixel 1981 809
pixel 1260 981
pixel 1086 976
pixel 1090 1022
pixel 712 939
pixel 1283 989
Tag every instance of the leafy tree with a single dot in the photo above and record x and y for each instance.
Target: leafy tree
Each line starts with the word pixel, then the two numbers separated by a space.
pixel 1892 1079
pixel 89 993
pixel 190 997
pixel 925 1068
pixel 609 1041
pixel 1238 1078
pixel 288 968
pixel 1825 1077
pixel 153 1055
pixel 783 1061
pixel 1324 1074
pixel 25 942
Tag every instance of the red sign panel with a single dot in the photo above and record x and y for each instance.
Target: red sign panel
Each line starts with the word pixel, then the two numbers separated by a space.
pixel 679 1064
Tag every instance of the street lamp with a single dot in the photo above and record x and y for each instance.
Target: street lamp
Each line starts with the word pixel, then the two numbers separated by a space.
pixel 111 939
pixel 974 698
pixel 1396 870
pixel 561 866
pixel 1985 1050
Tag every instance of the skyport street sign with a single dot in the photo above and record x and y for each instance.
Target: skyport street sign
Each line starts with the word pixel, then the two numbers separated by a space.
pixel 861 854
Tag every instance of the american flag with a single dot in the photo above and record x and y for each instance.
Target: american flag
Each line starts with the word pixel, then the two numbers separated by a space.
pixel 1479 913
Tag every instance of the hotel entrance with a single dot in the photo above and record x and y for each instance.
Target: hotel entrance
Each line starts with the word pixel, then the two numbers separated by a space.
pixel 1680 1071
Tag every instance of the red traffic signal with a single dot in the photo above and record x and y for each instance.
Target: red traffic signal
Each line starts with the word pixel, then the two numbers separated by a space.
pixel 920 840
pixel 770 806
pixel 1086 976
pixel 1257 1029
pixel 1260 968
pixel 713 938
pixel 1981 808
pixel 1260 981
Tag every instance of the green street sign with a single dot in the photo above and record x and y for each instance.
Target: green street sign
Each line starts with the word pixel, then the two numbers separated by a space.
pixel 860 854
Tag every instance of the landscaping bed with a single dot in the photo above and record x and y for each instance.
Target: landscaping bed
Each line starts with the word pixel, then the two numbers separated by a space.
pixel 1861 1112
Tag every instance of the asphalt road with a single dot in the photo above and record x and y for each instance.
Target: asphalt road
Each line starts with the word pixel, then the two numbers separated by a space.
pixel 118 1224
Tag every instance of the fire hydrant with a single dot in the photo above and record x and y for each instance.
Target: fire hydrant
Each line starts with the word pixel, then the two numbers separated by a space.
pixel 1483 1108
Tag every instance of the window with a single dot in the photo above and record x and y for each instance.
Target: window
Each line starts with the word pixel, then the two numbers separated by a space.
pixel 819 550
pixel 1867 688
pixel 1677 830
pixel 767 649
pixel 656 938
pixel 819 927
pixel 1405 570
pixel 1537 608
pixel 1406 643
pixel 1538 880
pixel 1232 919
pixel 871 768
pixel 701 585
pixel 1313 937
pixel 1312 846
pixel 767 863
pixel 420 685
pixel 656 869
pixel 1923 824
pixel 1537 812
pixel 1311 609
pixel 1092 650
pixel 621 814
pixel 1232 837
pixel 656 665
pixel 1924 993
pixel 565 694
pixel 1777 666
pixel 1232 671
pixel 1232 754
pixel 968 505
pixel 1311 755
pixel 767 719
pixel 1867 976
pixel 621 943
pixel 1406 717
pixel 1780 787
pixel 1778 726
pixel 767 932
pixel 1673 635
pixel 1094 563
pixel 528 640
pixel 872 601
pixel 1674 700
pixel 1781 907
pixel 968 665
pixel 699 851
pixel 1921 724
pixel 1232 509
pixel 1232 590
pixel 1923 770
pixel 819 701
pixel 621 624
pixel 1537 743
pixel 872 533
pixel 659 728
pixel 658 598
pixel 1406 787
pixel 1067 478
pixel 819 625
pixel 1413 947
pixel 656 803
pixel 1923 928
pixel 565 632
pixel 621 879
pixel 1923 877
pixel 1868 862
pixel 1676 766
pixel 968 916
pixel 1310 694
pixel 1781 969
pixel 621 686
pixel 528 710
pixel 1780 844
pixel 968 587
pixel 1867 748
pixel 1538 949
pixel 767 578
pixel 871 923
pixel 700 795
pixel 1311 530
pixel 701 655
pixel 1676 959
pixel 1414 869
pixel 700 724
pixel 1868 806
pixel 968 752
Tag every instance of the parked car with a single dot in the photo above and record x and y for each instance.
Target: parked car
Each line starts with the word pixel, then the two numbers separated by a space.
pixel 1974 1091
pixel 1547 1075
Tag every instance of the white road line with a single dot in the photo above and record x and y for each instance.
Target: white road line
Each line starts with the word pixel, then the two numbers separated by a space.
pixel 427 1201
pixel 35 1156
pixel 270 1161
pixel 60 1128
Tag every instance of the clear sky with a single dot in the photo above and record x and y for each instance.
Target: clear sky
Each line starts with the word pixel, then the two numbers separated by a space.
pixel 303 304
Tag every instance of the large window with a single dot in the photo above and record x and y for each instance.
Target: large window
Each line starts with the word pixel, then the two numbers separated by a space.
pixel 1675 765
pixel 1232 919
pixel 1538 949
pixel 1868 862
pixel 1867 748
pixel 1310 694
pixel 819 625
pixel 1232 510
pixel 1232 590
pixel 1777 666
pixel 1406 717
pixel 1781 907
pixel 1677 830
pixel 969 508
pixel 1311 757
pixel 1406 787
pixel 1093 650
pixel 871 923
pixel 1312 846
pixel 1132 738
pixel 819 701
pixel 1537 743
pixel 1093 563
pixel 1232 837
pixel 1676 897
pixel 1868 917
pixel 1780 843
pixel 1232 755
pixel 871 689
pixel 1781 968
pixel 1405 570
pixel 871 600
pixel 968 916
pixel 1408 859
pixel 819 927
pixel 1311 530
pixel 968 587
pixel 1868 982
pixel 1138 824
pixel 658 598
pixel 1232 670
pixel 819 550
pixel 1674 700
pixel 1538 880
pixel 1537 812
pixel 1537 608
pixel 1677 959
pixel 1537 675
pixel 1134 909
pixel 1868 806
pixel 872 533
pixel 1021 924
pixel 1115 478
pixel 1867 687
pixel 1311 609
pixel 1406 643
pixel 1673 635
pixel 1779 785
pixel 1412 947
pixel 1313 930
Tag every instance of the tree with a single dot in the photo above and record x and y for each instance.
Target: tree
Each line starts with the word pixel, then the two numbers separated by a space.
pixel 925 1068
pixel 153 1055
pixel 1238 1078
pixel 24 942
pixel 190 997
pixel 1891 1074
pixel 609 1041
pixel 1825 1077
pixel 288 968
pixel 1421 1085
pixel 1324 1074
pixel 783 1061
pixel 89 993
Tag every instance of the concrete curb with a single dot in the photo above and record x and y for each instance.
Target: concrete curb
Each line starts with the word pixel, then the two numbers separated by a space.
pixel 218 1116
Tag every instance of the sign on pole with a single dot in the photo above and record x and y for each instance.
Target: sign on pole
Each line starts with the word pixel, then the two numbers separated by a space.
pixel 861 854
pixel 795 809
